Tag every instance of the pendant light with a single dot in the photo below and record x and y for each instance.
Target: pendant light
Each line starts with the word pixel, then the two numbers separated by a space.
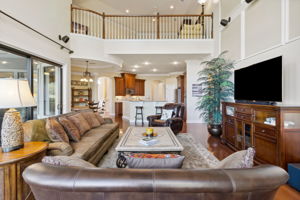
pixel 87 76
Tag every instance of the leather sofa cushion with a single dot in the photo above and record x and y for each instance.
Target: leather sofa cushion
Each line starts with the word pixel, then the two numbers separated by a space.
pixel 67 161
pixel 90 142
pixel 35 130
pixel 55 131
pixel 112 126
pixel 154 161
pixel 91 119
pixel 80 122
pixel 71 130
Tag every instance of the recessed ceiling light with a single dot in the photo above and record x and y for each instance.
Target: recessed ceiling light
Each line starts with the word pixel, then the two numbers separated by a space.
pixel 154 70
pixel 4 62
pixel 175 63
pixel 136 66
pixel 201 1
pixel 171 7
pixel 127 11
pixel 146 63
pixel 134 70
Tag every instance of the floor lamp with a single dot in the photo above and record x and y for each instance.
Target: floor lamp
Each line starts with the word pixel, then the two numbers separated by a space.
pixel 14 93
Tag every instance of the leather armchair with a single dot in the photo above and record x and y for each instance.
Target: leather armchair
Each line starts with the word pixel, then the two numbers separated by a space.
pixel 175 122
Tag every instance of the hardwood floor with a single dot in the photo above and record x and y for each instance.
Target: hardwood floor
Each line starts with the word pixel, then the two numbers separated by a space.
pixel 221 151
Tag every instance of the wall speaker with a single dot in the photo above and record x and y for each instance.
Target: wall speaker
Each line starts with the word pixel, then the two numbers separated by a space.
pixel 65 38
pixel 224 22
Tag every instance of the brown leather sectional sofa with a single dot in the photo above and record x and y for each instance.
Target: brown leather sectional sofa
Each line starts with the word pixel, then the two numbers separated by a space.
pixel 92 146
pixel 55 183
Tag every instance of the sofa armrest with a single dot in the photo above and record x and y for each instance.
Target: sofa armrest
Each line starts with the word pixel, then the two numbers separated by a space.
pixel 153 117
pixel 59 149
pixel 108 120
pixel 174 120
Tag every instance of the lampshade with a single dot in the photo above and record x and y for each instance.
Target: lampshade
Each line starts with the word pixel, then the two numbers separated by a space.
pixel 15 93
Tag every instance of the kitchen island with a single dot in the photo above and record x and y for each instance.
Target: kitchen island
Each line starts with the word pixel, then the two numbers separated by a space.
pixel 149 109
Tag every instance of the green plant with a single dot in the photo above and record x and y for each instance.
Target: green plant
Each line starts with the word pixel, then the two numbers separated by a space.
pixel 215 88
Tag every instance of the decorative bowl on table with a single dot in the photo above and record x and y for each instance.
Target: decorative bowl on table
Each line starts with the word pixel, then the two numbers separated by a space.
pixel 149 133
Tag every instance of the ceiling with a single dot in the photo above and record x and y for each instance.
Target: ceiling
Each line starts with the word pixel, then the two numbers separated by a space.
pixel 141 7
pixel 164 64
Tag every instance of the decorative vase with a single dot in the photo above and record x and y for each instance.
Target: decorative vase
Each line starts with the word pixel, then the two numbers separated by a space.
pixel 215 129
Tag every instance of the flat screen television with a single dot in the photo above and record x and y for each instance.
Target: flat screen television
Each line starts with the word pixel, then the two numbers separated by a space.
pixel 261 82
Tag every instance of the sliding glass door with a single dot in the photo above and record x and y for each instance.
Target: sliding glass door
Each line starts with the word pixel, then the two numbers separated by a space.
pixel 47 88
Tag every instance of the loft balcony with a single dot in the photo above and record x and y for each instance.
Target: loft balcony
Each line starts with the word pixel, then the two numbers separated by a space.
pixel 103 37
pixel 141 27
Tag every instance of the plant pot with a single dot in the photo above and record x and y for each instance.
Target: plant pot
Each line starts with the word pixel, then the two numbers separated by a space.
pixel 215 129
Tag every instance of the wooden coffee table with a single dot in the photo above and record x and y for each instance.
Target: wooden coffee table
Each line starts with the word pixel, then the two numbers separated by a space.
pixel 130 143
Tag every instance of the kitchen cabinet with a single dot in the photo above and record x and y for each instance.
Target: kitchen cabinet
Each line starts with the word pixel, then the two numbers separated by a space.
pixel 129 80
pixel 119 86
pixel 139 89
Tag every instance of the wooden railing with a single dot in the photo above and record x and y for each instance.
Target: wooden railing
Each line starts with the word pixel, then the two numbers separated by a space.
pixel 88 22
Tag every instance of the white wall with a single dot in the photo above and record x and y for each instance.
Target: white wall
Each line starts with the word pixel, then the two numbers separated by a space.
pixel 51 18
pixel 171 86
pixel 192 68
pixel 266 29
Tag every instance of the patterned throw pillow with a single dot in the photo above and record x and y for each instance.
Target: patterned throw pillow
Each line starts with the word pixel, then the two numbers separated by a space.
pixel 71 129
pixel 91 119
pixel 100 119
pixel 166 114
pixel 80 122
pixel 67 161
pixel 239 159
pixel 55 131
pixel 154 161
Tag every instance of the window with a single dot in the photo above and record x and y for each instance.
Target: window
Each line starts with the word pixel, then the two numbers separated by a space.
pixel 43 76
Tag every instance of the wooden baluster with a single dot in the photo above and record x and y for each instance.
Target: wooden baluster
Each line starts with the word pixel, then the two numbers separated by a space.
pixel 103 26
pixel 158 24
pixel 212 26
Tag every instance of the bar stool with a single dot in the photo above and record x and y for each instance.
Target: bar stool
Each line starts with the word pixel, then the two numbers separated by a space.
pixel 139 114
pixel 158 110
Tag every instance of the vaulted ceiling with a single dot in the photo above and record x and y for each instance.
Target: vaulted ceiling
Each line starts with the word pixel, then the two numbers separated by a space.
pixel 141 7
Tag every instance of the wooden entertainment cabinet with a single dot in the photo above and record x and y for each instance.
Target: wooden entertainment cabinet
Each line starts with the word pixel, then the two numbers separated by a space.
pixel 274 131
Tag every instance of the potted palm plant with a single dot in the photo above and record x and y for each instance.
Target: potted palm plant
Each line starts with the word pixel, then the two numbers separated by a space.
pixel 215 88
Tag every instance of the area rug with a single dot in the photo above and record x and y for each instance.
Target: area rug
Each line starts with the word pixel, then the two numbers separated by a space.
pixel 196 155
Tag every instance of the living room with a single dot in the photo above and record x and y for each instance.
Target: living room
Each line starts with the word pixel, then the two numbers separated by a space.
pixel 197 99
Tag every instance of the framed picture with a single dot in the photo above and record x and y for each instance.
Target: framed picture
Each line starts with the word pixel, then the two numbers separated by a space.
pixel 196 90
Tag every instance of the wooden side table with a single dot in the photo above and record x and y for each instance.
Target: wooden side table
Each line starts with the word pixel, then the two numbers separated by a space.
pixel 12 165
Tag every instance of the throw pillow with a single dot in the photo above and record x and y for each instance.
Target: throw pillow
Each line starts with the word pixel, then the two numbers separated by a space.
pixel 239 159
pixel 55 131
pixel 99 117
pixel 71 129
pixel 166 114
pixel 35 130
pixel 91 119
pixel 154 161
pixel 67 161
pixel 80 122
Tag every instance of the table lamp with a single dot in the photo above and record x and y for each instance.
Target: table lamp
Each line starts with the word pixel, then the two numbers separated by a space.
pixel 13 94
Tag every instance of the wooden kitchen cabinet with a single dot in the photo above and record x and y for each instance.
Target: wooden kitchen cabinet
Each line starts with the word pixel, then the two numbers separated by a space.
pixel 139 87
pixel 119 86
pixel 129 80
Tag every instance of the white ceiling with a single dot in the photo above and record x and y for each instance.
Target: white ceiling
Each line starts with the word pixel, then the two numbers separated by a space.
pixel 141 7
pixel 163 63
